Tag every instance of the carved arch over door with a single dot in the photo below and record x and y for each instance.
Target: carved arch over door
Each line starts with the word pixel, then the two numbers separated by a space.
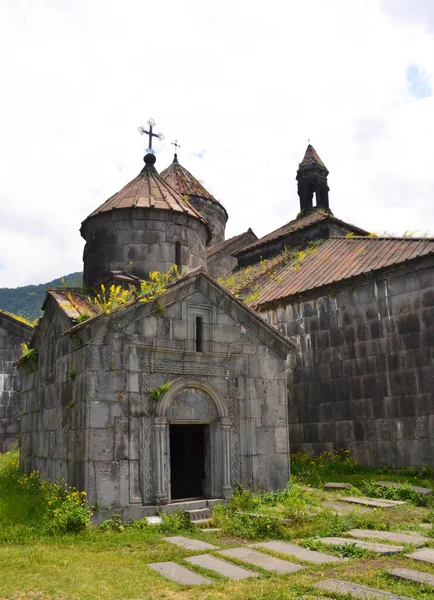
pixel 216 412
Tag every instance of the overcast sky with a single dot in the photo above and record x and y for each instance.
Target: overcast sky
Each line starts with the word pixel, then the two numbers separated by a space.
pixel 242 85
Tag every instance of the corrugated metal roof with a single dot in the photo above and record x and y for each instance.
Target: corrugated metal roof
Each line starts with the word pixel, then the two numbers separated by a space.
pixel 315 216
pixel 341 258
pixel 148 190
pixel 184 182
pixel 225 245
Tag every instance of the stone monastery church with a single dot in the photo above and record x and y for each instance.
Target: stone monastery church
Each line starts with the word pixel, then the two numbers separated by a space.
pixel 317 336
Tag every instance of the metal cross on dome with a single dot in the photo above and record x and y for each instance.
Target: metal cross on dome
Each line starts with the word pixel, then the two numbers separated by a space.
pixel 151 134
pixel 175 143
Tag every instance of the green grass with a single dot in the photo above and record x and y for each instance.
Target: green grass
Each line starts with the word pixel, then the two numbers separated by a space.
pixel 39 561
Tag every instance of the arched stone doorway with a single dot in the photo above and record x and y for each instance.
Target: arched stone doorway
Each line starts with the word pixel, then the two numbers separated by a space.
pixel 191 443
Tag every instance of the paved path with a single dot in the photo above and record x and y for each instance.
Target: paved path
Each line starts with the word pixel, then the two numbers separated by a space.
pixel 221 566
pixel 299 552
pixel 175 572
pixel 357 591
pixel 424 554
pixel 391 536
pixel 372 502
pixel 334 485
pixel 384 549
pixel 415 488
pixel 190 544
pixel 259 559
pixel 411 575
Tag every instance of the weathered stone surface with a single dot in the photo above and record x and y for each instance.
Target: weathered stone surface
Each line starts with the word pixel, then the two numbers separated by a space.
pixel 391 536
pixel 221 566
pixel 177 573
pixel 411 575
pixel 424 554
pixel 415 488
pixel 334 485
pixel 426 525
pixel 190 544
pixel 385 549
pixel 299 552
pixel 345 509
pixel 259 559
pixel 154 520
pixel 357 591
pixel 372 502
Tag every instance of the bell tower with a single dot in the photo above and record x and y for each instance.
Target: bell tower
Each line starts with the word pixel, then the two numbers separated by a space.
pixel 312 181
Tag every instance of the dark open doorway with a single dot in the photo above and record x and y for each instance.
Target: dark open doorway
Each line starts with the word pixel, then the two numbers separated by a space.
pixel 188 449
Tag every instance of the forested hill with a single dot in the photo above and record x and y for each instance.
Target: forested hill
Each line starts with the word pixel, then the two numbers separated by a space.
pixel 26 301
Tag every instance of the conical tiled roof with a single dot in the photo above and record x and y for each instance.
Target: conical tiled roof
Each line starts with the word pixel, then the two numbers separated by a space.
pixel 184 182
pixel 311 159
pixel 148 190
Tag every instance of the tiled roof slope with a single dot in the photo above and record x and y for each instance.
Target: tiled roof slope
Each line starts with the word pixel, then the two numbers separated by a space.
pixel 312 218
pixel 341 258
pixel 226 245
pixel 72 303
pixel 148 190
pixel 184 182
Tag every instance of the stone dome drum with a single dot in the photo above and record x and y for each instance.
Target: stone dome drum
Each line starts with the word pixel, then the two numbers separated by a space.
pixel 146 226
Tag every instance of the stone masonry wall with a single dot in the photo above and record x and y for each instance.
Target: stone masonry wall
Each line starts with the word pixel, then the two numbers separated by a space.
pixel 139 241
pixel 363 375
pixel 215 214
pixel 12 334
pixel 97 429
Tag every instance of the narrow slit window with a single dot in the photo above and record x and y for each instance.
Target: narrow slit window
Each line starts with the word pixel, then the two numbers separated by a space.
pixel 178 254
pixel 199 334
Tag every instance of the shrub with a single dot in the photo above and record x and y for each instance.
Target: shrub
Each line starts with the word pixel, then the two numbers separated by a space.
pixel 31 506
pixel 175 521
pixel 403 492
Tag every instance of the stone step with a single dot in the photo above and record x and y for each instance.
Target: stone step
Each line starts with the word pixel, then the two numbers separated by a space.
pixel 259 559
pixel 391 536
pixel 335 485
pixel 182 506
pixel 199 514
pixel 357 591
pixel 424 554
pixel 384 549
pixel 190 544
pixel 372 502
pixel 201 522
pixel 179 574
pixel 415 488
pixel 414 576
pixel 221 566
pixel 299 552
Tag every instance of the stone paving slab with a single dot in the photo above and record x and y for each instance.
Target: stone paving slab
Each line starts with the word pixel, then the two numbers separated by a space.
pixel 266 561
pixel 416 488
pixel 346 509
pixel 301 553
pixel 190 544
pixel 179 574
pixel 221 566
pixel 425 525
pixel 384 549
pixel 411 575
pixel 335 485
pixel 391 536
pixel 424 554
pixel 372 502
pixel 357 591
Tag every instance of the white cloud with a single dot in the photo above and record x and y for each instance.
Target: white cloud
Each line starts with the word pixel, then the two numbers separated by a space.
pixel 241 85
